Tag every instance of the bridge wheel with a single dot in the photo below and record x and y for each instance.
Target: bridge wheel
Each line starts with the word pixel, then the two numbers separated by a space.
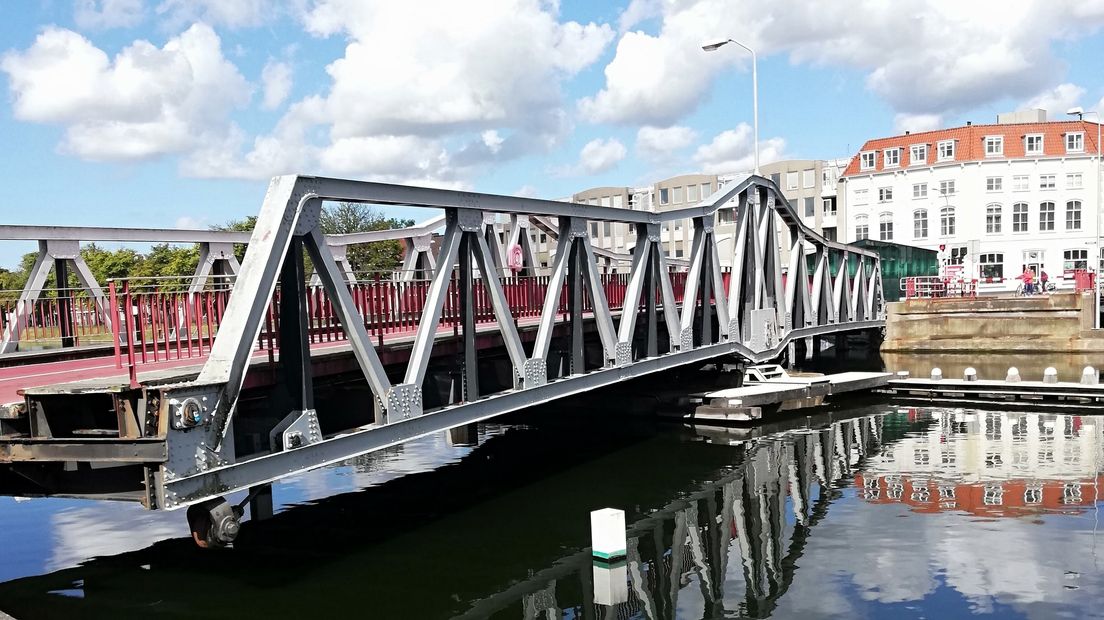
pixel 214 524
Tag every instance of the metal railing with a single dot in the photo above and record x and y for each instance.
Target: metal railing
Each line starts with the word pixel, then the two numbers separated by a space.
pixel 53 317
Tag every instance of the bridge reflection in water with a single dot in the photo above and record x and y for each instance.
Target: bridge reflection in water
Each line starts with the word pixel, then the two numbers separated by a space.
pixel 831 515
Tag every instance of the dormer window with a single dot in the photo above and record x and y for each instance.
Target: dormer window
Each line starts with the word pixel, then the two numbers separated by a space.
pixel 994 146
pixel 866 160
pixel 891 158
pixel 1033 144
pixel 946 150
pixel 1075 142
pixel 918 154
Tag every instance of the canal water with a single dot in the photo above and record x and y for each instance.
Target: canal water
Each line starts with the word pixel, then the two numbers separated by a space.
pixel 864 510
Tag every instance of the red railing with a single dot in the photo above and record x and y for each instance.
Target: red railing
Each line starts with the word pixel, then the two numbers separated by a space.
pixel 173 324
pixel 48 317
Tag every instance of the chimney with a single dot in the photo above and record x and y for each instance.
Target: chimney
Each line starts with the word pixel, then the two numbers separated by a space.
pixel 907 132
pixel 968 123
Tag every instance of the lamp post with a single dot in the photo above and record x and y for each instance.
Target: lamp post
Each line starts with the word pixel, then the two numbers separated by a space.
pixel 1080 114
pixel 714 44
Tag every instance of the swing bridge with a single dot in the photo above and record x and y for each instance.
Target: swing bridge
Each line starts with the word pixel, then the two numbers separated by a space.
pixel 190 437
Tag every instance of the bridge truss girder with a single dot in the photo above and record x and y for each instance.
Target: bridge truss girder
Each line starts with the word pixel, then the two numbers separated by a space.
pixel 755 321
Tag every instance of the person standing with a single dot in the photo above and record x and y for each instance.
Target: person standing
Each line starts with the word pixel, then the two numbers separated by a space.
pixel 1043 281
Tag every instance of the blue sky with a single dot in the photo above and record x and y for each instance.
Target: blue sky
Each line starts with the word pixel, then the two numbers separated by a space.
pixel 174 113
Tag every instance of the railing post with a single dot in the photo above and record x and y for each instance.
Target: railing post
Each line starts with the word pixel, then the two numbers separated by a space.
pixel 114 306
pixel 127 320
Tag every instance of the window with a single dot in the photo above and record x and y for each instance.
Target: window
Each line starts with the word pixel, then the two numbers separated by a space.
pixel 1019 217
pixel 1033 144
pixel 958 255
pixel 810 208
pixel 862 230
pixel 918 154
pixel 919 190
pixel 677 198
pixel 885 226
pixel 866 160
pixel 791 180
pixel 707 189
pixel 1073 181
pixel 664 196
pixel 861 196
pixel 1046 181
pixel 947 221
pixel 920 224
pixel 946 188
pixel 594 229
pixel 994 146
pixel 993 219
pixel 1046 216
pixel 606 229
pixel 992 266
pixel 1020 183
pixel 1073 215
pixel 691 193
pixel 1075 142
pixel 828 177
pixel 830 233
pixel 885 194
pixel 618 201
pixel 1075 259
pixel 829 206
pixel 605 201
pixel 946 150
pixel 808 179
pixel 891 158
pixel 994 184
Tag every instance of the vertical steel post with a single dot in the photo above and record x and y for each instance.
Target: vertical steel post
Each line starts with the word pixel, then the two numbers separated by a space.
pixel 467 319
pixel 65 302
pixel 294 330
pixel 707 291
pixel 575 303
pixel 651 281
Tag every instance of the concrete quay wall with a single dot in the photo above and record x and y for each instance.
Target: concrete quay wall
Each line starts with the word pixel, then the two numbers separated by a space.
pixel 1052 323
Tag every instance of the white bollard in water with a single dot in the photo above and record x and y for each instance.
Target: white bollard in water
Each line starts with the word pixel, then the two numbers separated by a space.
pixel 611 583
pixel 607 534
pixel 936 374
pixel 1050 375
pixel 1013 375
pixel 970 374
pixel 1089 376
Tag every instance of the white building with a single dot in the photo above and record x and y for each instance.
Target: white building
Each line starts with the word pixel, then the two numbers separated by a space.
pixel 992 198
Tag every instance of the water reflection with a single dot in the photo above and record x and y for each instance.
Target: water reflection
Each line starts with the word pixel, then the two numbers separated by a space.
pixel 873 512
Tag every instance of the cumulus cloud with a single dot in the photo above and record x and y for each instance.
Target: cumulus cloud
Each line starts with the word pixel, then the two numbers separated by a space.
pixel 464 84
pixel 104 14
pixel 733 150
pixel 658 144
pixel 146 102
pixel 276 78
pixel 1057 100
pixel 601 155
pixel 230 13
pixel 922 58
pixel 916 122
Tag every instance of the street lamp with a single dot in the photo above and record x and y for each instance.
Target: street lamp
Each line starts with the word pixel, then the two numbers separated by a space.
pixel 714 44
pixel 1080 113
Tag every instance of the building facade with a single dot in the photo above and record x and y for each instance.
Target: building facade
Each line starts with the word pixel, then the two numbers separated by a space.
pixel 992 199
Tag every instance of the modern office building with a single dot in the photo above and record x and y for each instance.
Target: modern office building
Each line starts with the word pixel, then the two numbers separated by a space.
pixel 991 199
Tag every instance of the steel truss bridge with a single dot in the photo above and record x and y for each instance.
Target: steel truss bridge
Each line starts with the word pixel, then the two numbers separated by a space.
pixel 187 437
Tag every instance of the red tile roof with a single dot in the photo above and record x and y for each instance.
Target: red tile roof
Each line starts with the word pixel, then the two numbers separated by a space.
pixel 970 143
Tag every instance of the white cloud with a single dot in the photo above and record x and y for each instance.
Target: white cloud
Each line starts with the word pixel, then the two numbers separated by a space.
pixel 600 155
pixel 1057 100
pixel 920 57
pixel 230 13
pixel 638 11
pixel 733 150
pixel 188 222
pixel 480 79
pixel 276 78
pixel 145 102
pixel 104 14
pixel 916 122
pixel 658 144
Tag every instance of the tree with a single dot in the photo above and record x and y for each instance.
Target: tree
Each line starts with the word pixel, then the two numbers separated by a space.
pixel 166 260
pixel 106 265
pixel 243 225
pixel 352 217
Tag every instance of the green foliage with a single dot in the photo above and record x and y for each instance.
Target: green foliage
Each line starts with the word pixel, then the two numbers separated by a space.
pixel 106 264
pixel 350 217
pixel 244 225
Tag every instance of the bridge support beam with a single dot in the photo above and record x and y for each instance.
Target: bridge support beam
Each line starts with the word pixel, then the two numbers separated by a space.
pixel 57 255
pixel 216 260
